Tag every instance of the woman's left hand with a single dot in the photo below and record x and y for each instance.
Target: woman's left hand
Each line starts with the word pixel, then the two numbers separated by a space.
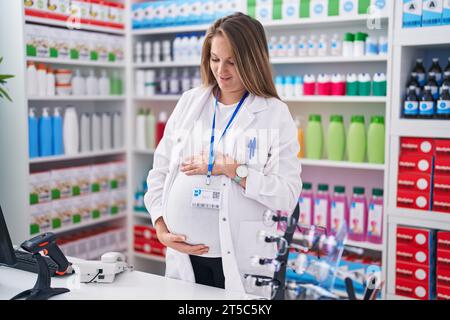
pixel 198 164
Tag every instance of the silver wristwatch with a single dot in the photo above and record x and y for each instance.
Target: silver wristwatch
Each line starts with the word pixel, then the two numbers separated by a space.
pixel 241 173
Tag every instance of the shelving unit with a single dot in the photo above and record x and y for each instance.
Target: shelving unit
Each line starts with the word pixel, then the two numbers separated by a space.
pixel 408 45
pixel 76 63
pixel 343 164
pixel 77 98
pixel 77 156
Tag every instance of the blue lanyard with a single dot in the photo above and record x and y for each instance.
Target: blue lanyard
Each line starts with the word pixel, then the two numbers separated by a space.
pixel 211 145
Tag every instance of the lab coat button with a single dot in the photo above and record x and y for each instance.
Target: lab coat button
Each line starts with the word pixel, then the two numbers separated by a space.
pixel 224 219
pixel 228 252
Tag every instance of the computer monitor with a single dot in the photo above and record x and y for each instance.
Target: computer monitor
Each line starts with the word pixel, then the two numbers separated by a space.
pixel 7 255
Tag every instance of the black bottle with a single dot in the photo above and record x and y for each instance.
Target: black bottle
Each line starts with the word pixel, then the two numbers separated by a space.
pixel 419 69
pixel 427 105
pixel 413 82
pixel 411 105
pixel 443 104
pixel 436 68
pixel 447 68
pixel 432 83
pixel 446 81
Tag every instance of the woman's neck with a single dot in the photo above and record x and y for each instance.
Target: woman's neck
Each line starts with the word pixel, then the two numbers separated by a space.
pixel 230 97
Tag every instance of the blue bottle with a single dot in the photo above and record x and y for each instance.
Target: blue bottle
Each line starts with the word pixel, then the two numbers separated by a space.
pixel 45 134
pixel 33 134
pixel 411 104
pixel 57 132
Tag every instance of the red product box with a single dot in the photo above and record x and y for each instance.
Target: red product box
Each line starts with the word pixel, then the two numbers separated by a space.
pixel 414 181
pixel 443 277
pixel 415 237
pixel 441 185
pixel 441 203
pixel 413 200
pixel 415 163
pixel 412 289
pixel 145 232
pixel 407 254
pixel 149 247
pixel 442 293
pixel 443 260
pixel 417 146
pixel 442 166
pixel 443 240
pixel 442 148
pixel 412 272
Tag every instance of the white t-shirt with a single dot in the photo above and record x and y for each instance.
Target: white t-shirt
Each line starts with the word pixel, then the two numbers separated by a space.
pixel 200 226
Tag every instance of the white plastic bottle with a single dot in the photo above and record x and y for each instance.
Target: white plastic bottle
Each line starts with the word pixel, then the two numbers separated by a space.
pixel 42 80
pixel 336 46
pixel 359 45
pixel 92 84
pixel 32 89
pixel 167 57
pixel 185 80
pixel 322 50
pixel 78 84
pixel 302 47
pixel 282 46
pixel 383 45
pixel 273 50
pixel 312 46
pixel 156 52
pixel 200 41
pixel 150 83
pixel 184 44
pixel 163 82
pixel 96 131
pixel 147 51
pixel 371 46
pixel 106 131
pixel 140 131
pixel 292 46
pixel 289 89
pixel 117 130
pixel 174 83
pixel 104 84
pixel 193 43
pixel 140 83
pixel 298 88
pixel 151 130
pixel 71 131
pixel 176 48
pixel 347 45
pixel 85 133
pixel 196 80
pixel 279 85
pixel 50 82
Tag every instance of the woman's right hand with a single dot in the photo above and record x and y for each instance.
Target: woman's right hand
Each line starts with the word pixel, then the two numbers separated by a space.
pixel 177 242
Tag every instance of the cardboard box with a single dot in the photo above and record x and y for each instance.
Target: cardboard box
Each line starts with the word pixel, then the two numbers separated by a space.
pixel 412 13
pixel 441 185
pixel 441 203
pixel 443 260
pixel 442 293
pixel 407 254
pixel 412 290
pixel 150 247
pixel 415 237
pixel 420 182
pixel 443 277
pixel 145 232
pixel 443 240
pixel 442 166
pixel 442 148
pixel 413 273
pixel 413 200
pixel 415 163
pixel 417 146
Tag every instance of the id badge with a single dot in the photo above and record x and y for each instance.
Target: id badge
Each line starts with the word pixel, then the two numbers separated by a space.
pixel 206 198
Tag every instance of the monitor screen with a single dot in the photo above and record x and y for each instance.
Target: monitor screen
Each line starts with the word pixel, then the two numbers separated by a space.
pixel 7 255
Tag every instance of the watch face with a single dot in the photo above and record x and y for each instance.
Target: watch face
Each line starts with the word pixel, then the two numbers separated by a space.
pixel 242 171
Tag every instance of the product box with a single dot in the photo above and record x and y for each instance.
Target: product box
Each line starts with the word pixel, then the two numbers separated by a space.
pixel 441 185
pixel 348 8
pixel 420 182
pixel 407 254
pixel 443 260
pixel 415 163
pixel 41 218
pixel 414 200
pixel 61 214
pixel 264 10
pixel 446 12
pixel 61 184
pixel 442 148
pixel 442 166
pixel 104 204
pixel 138 15
pixel 290 10
pixel 150 247
pixel 412 13
pixel 414 273
pixel 443 240
pixel 441 203
pixel 319 8
pixel 442 293
pixel 413 290
pixel 100 177
pixel 443 277
pixel 145 232
pixel 83 209
pixel 417 146
pixel 416 237
pixel 40 186
pixel 432 12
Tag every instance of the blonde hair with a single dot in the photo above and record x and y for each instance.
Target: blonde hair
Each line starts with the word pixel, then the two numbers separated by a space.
pixel 249 44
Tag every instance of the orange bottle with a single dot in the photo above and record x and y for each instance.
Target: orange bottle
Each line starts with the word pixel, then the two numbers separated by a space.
pixel 301 153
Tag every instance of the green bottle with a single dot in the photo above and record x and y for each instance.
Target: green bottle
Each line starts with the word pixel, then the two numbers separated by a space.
pixel 336 138
pixel 356 139
pixel 314 137
pixel 375 140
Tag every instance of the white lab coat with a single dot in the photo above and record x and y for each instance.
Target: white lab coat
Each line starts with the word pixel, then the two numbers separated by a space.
pixel 273 181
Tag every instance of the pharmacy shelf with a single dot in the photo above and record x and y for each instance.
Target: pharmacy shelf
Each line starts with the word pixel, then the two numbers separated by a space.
pixel 150 257
pixel 331 59
pixel 141 215
pixel 342 164
pixel 396 297
pixel 80 63
pixel 426 36
pixel 90 223
pixel 421 128
pixel 166 30
pixel 77 156
pixel 420 218
pixel 81 27
pixel 159 97
pixel 336 99
pixel 77 98
pixel 166 65
pixel 144 152
pixel 327 21
pixel 365 245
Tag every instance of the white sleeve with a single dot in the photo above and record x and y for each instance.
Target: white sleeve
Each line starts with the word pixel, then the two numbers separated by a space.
pixel 278 185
